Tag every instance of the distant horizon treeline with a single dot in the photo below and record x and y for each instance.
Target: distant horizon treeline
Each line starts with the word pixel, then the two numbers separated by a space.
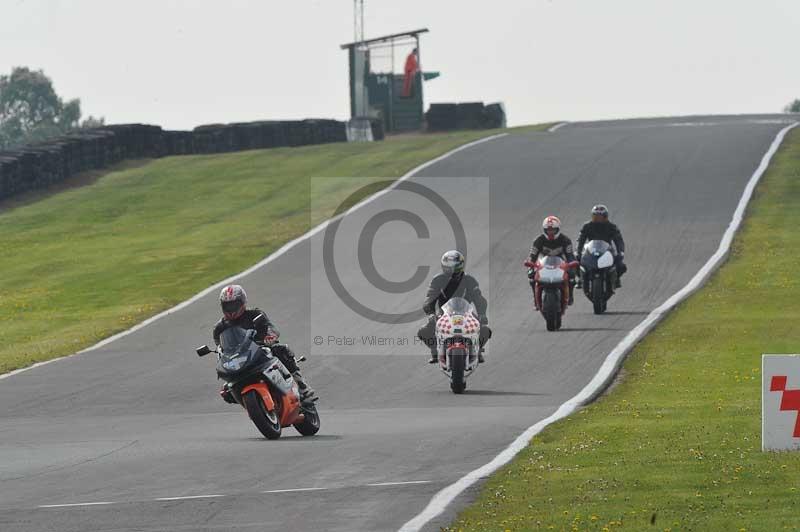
pixel 31 110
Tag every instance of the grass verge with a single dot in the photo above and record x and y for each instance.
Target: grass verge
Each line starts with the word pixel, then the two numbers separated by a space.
pixel 88 262
pixel 677 444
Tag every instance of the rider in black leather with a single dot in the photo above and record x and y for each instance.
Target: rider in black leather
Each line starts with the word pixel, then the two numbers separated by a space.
pixel 453 282
pixel 233 300
pixel 552 242
pixel 599 228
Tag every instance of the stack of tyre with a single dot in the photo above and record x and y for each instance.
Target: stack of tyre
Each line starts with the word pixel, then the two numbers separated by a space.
pixel 473 115
pixel 43 164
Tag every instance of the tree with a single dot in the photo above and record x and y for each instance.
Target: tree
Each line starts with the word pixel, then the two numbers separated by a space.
pixel 30 109
pixel 793 107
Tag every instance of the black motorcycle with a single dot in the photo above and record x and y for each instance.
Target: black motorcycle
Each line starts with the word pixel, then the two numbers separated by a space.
pixel 598 273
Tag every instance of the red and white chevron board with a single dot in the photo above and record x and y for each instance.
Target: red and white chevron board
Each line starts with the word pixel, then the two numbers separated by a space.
pixel 780 402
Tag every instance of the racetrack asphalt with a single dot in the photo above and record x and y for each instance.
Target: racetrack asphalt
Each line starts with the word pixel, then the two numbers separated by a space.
pixel 139 419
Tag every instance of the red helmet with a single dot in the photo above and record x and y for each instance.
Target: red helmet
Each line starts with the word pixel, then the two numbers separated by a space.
pixel 551 227
pixel 233 300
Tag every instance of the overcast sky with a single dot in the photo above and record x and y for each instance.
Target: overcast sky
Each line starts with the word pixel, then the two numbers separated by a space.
pixel 183 63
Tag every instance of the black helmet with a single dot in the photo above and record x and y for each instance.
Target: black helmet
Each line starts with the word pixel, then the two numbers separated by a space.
pixel 453 262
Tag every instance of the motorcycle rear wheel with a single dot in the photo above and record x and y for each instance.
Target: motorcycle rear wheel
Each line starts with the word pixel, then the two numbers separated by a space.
pixel 267 422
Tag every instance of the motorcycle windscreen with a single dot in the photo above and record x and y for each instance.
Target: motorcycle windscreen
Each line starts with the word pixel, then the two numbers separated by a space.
pixel 234 340
pixel 597 247
pixel 551 262
pixel 457 305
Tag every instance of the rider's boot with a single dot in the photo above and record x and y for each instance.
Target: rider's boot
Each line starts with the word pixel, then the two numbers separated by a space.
pixel 434 356
pixel 571 295
pixel 535 303
pixel 617 283
pixel 481 360
pixel 307 394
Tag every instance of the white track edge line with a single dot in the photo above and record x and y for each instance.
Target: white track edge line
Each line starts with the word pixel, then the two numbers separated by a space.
pixel 610 366
pixel 556 127
pixel 274 255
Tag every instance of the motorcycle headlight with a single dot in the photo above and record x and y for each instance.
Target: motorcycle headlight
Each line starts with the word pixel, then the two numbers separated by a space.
pixel 605 261
pixel 235 363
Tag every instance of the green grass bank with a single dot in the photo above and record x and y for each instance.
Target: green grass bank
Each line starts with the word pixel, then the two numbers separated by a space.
pixel 87 262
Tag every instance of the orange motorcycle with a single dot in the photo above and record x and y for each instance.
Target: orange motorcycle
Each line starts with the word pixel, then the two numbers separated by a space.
pixel 260 382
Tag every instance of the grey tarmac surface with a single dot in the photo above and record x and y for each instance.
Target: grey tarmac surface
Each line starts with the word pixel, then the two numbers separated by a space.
pixel 139 419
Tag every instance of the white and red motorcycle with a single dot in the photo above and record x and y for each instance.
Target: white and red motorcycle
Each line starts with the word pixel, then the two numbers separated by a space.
pixel 551 277
pixel 457 338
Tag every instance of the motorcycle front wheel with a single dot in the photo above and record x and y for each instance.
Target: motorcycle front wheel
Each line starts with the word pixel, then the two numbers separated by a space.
pixel 458 360
pixel 598 296
pixel 267 422
pixel 551 309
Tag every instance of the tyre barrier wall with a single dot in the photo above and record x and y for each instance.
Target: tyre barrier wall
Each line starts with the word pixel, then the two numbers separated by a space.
pixel 451 116
pixel 43 164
